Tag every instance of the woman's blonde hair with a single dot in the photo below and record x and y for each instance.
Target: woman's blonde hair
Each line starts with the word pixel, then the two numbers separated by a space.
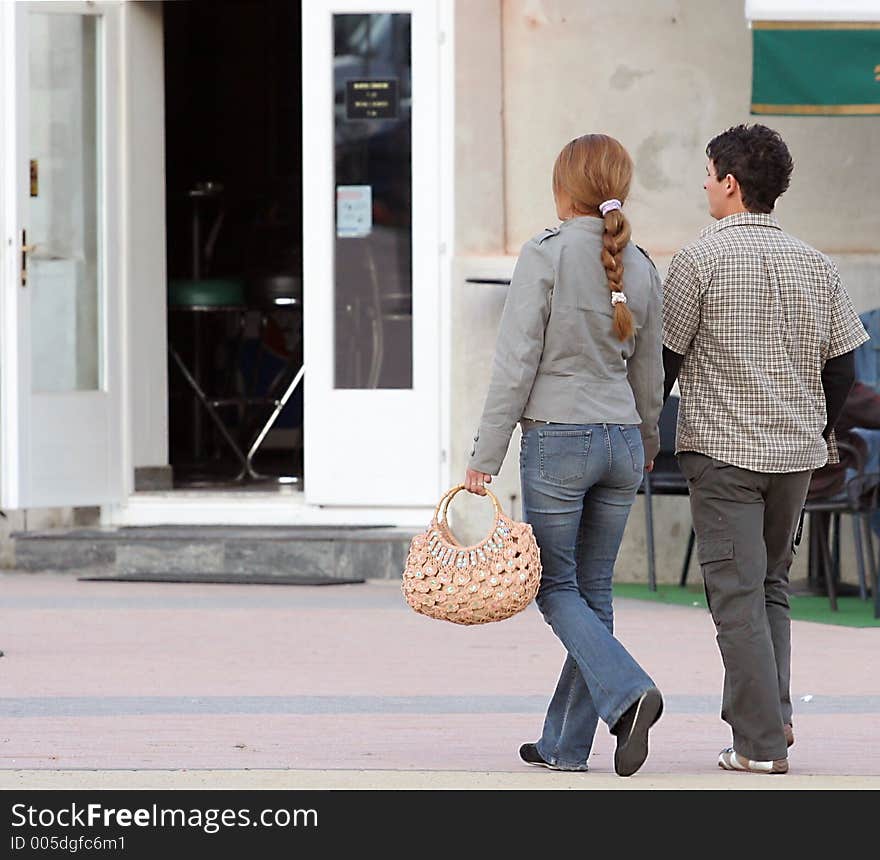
pixel 590 170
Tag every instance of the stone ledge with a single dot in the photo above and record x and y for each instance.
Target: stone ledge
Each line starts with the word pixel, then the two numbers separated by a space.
pixel 369 552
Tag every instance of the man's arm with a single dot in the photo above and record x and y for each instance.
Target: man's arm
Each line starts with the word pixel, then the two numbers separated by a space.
pixel 681 315
pixel 671 366
pixel 838 376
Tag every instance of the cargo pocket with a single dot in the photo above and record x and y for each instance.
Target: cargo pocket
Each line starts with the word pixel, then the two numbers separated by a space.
pixel 712 553
pixel 714 549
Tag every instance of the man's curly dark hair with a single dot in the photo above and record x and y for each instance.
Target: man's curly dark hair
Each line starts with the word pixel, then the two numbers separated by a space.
pixel 759 160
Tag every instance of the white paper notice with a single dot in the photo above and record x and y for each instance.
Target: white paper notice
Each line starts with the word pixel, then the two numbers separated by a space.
pixel 354 211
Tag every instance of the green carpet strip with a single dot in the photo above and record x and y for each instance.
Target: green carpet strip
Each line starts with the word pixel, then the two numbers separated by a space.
pixel 851 611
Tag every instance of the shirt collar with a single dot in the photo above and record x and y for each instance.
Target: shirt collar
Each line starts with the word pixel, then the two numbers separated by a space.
pixel 587 222
pixel 738 219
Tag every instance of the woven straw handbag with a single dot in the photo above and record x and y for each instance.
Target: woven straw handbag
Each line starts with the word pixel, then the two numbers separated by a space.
pixel 489 581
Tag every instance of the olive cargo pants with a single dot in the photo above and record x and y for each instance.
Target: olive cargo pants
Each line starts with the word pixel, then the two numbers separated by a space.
pixel 745 524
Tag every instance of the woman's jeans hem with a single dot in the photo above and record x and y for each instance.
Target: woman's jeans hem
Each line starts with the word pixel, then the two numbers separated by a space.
pixel 580 767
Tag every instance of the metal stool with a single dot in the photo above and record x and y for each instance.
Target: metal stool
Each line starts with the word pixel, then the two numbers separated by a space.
pixel 268 294
pixel 200 298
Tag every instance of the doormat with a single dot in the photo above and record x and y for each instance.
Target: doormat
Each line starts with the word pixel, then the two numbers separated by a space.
pixel 224 578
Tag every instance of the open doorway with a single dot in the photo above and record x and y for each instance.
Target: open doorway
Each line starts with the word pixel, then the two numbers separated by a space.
pixel 233 96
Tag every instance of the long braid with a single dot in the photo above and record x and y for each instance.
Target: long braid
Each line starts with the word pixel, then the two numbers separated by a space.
pixel 614 240
pixel 593 172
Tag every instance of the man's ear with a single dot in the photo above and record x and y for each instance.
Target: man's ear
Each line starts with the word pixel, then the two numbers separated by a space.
pixel 731 185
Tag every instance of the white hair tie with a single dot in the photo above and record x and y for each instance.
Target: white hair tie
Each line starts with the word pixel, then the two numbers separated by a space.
pixel 617 298
pixel 610 206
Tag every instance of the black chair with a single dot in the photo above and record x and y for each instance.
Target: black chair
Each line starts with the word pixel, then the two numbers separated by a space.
pixel 859 501
pixel 665 479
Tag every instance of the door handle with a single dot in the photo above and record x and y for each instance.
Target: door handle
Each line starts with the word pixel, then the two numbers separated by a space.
pixel 25 250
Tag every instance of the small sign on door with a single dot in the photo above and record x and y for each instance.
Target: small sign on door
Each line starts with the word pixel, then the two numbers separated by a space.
pixel 354 211
pixel 374 99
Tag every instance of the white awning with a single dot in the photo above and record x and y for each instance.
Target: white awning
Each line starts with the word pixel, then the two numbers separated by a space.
pixel 813 10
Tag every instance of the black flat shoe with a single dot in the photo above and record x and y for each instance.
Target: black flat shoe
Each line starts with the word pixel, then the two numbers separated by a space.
pixel 530 755
pixel 632 732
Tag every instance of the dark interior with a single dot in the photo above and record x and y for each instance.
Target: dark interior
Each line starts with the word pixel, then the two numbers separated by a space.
pixel 233 95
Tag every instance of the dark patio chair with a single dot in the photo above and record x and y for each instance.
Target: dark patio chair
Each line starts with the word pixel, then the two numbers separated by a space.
pixel 666 479
pixel 858 501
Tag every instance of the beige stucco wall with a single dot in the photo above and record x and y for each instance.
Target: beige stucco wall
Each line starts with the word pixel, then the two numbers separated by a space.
pixel 663 77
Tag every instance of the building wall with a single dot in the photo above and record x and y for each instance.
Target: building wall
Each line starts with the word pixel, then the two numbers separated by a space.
pixel 663 76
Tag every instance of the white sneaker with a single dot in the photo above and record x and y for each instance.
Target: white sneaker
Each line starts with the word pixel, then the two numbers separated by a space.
pixel 729 760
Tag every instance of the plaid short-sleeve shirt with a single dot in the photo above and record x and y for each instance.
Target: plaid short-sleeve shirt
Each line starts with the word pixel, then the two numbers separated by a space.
pixel 755 313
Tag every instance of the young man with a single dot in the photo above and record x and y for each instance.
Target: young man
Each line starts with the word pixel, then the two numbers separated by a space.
pixel 760 333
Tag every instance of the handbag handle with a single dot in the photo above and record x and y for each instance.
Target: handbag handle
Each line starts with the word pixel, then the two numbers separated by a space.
pixel 443 504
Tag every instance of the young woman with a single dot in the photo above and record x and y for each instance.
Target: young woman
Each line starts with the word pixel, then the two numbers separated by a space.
pixel 578 362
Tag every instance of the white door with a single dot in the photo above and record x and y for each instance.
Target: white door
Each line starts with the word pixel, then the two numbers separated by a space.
pixel 60 415
pixel 372 255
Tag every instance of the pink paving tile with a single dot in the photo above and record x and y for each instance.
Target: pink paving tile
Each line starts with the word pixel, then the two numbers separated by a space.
pixel 118 646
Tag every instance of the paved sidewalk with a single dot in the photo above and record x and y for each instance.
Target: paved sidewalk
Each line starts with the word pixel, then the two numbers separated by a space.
pixel 124 685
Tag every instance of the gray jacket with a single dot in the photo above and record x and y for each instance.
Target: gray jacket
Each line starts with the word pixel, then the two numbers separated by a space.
pixel 557 358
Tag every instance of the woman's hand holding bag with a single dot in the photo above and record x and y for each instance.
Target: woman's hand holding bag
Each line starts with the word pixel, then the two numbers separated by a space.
pixel 489 581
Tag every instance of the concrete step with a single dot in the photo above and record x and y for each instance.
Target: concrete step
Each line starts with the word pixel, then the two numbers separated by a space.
pixel 259 552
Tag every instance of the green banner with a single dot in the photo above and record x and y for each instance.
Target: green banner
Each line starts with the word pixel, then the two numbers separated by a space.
pixel 816 68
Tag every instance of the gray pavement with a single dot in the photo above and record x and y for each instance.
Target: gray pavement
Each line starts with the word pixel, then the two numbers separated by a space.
pixel 140 685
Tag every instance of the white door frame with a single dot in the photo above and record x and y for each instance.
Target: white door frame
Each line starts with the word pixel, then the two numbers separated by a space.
pixel 289 507
pixel 372 446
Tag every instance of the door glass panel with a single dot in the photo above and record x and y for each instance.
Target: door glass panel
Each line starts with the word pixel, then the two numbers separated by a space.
pixel 63 275
pixel 373 345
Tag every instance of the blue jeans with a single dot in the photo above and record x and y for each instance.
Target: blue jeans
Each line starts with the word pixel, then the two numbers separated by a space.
pixel 578 484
